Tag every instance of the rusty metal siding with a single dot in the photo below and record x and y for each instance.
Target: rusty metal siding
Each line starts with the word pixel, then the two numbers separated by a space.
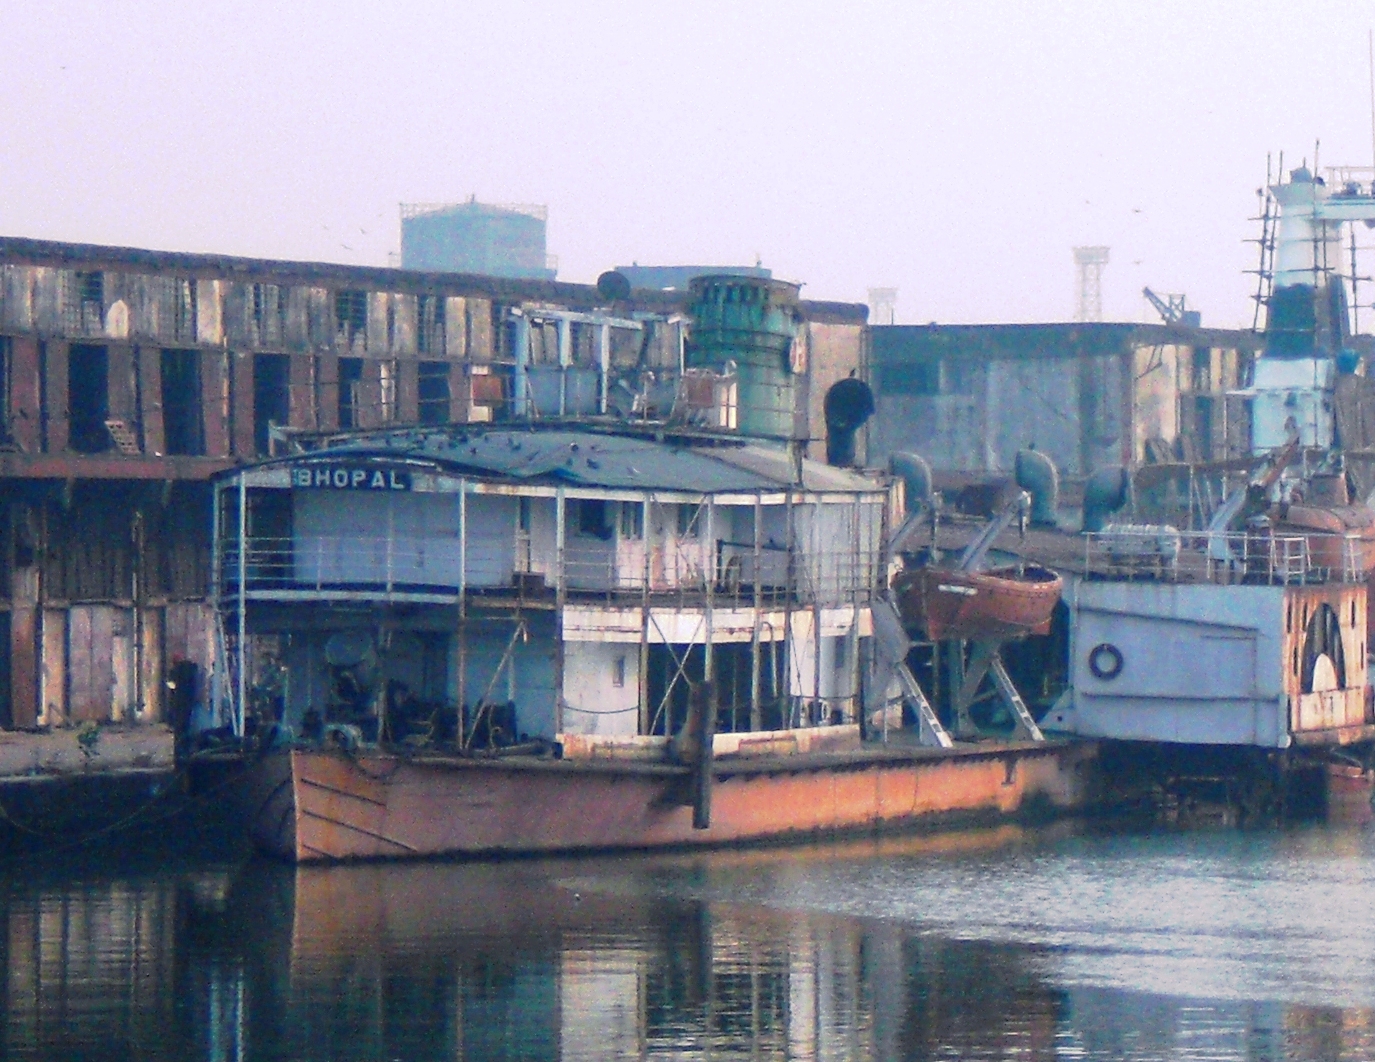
pixel 26 396
pixel 24 647
pixel 301 391
pixel 1331 709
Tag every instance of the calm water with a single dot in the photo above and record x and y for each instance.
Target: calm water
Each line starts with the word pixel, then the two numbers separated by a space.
pixel 1001 944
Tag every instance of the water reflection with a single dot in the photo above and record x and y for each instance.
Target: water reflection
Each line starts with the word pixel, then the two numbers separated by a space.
pixel 663 958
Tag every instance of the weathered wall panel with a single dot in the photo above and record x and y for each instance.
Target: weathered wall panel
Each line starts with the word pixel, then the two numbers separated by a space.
pixel 23 647
pixel 456 327
pixel 150 383
pixel 215 402
pixel 90 656
pixel 834 352
pixel 405 325
pixel 459 393
pixel 150 670
pixel 122 678
pixel 327 389
pixel 123 386
pixel 301 391
pixel 209 313
pixel 369 411
pixel 16 298
pixel 26 399
pixel 54 667
pixel 242 410
pixel 478 317
pixel 408 391
pixel 55 395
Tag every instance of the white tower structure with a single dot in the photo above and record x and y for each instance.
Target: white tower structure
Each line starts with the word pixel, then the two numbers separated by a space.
pixel 1306 323
pixel 883 306
pixel 1090 261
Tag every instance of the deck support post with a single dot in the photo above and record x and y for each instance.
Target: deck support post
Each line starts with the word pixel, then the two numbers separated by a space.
pixel 646 718
pixel 462 610
pixel 756 720
pixel 242 689
pixel 703 742
pixel 789 589
pixel 708 654
pixel 820 707
pixel 561 602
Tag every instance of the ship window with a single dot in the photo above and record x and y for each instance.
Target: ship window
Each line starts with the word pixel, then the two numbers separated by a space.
pixel 1289 618
pixel 184 325
pixel 350 381
pixel 916 378
pixel 593 520
pixel 1353 614
pixel 689 521
pixel 429 325
pixel 618 672
pixel 351 313
pixel 632 520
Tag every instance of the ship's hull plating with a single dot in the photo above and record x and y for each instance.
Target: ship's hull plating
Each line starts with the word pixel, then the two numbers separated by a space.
pixel 309 805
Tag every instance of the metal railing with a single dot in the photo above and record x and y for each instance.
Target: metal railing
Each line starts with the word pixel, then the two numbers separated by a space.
pixel 1164 553
pixel 682 571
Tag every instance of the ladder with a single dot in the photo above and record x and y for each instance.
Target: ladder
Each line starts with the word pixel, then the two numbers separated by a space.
pixel 890 661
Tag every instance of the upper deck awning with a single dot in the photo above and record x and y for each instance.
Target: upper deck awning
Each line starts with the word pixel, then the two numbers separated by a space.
pixel 586 459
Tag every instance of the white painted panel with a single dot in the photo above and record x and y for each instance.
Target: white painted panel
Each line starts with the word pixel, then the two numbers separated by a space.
pixel 362 537
pixel 595 702
pixel 491 538
pixel 1200 663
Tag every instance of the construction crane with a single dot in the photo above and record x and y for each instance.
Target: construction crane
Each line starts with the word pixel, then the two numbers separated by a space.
pixel 1171 308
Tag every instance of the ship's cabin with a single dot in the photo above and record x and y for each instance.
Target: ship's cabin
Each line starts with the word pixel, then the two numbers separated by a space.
pixel 506 587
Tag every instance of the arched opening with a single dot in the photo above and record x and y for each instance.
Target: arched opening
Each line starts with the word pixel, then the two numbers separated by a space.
pixel 1324 658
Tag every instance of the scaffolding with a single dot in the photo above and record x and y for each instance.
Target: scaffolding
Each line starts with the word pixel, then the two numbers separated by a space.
pixel 1090 262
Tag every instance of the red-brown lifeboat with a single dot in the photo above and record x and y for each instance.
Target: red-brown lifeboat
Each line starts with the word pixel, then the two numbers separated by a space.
pixel 996 604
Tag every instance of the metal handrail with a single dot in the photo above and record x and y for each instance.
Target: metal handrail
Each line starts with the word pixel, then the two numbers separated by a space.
pixel 1216 557
pixel 684 570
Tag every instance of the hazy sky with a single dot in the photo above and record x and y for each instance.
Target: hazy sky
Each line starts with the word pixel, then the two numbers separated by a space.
pixel 956 151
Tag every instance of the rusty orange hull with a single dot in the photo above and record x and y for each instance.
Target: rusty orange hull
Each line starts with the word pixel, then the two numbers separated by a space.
pixel 310 806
